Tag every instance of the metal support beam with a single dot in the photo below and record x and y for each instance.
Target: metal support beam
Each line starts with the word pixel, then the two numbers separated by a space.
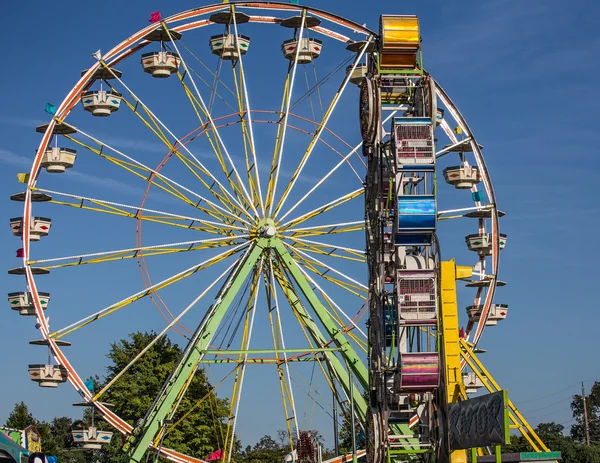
pixel 143 435
pixel 450 342
pixel 346 349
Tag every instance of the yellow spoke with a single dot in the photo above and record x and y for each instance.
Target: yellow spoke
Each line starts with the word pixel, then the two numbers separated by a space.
pixel 183 158
pixel 245 345
pixel 314 265
pixel 329 250
pixel 324 208
pixel 146 292
pixel 322 125
pixel 150 113
pixel 216 147
pixel 145 251
pixel 160 181
pixel 329 229
pixel 164 218
pixel 251 167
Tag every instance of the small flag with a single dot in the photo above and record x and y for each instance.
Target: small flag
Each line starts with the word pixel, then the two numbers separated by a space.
pixel 215 455
pixel 476 196
pixel 89 383
pixel 23 177
pixel 458 130
pixel 50 109
pixel 20 252
pixel 97 55
pixel 295 2
pixel 155 17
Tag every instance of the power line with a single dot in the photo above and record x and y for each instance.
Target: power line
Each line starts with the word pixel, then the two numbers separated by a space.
pixel 554 393
pixel 550 413
pixel 548 406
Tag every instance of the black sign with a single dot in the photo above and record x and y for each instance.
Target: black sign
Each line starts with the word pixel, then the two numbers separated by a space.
pixel 479 422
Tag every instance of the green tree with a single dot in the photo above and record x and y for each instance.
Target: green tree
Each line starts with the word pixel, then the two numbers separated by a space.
pixel 198 434
pixel 266 450
pixel 593 410
pixel 20 417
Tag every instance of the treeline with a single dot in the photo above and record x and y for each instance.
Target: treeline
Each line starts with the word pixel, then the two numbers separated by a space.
pixel 574 447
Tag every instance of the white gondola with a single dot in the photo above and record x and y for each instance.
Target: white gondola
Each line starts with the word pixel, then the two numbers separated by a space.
pixel 310 49
pixel 359 73
pixel 482 243
pixel 48 375
pixel 161 64
pixel 225 46
pixel 471 382
pixel 101 103
pixel 91 438
pixel 497 313
pixel 23 302
pixel 56 160
pixel 462 177
pixel 39 226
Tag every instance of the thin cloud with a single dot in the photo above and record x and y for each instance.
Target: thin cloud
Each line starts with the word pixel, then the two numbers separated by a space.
pixel 22 122
pixel 15 160
pixel 11 159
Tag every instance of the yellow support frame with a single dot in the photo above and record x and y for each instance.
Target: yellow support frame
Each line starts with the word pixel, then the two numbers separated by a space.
pixel 450 342
pixel 454 349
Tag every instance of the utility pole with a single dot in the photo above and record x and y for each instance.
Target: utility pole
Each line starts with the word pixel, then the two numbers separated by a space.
pixel 587 425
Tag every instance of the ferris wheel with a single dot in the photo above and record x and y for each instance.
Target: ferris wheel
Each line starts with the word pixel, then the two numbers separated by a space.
pixel 236 127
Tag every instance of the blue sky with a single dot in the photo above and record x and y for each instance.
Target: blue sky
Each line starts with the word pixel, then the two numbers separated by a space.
pixel 522 73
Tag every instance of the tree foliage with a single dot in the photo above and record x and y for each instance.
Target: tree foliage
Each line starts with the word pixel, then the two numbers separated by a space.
pixel 593 410
pixel 20 417
pixel 200 433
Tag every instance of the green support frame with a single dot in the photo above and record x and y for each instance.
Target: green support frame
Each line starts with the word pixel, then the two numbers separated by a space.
pixel 142 437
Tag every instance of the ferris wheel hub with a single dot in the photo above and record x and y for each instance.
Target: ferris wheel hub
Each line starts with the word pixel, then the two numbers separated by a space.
pixel 266 228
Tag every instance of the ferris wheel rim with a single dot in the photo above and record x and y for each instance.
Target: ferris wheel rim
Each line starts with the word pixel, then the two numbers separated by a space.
pixel 62 112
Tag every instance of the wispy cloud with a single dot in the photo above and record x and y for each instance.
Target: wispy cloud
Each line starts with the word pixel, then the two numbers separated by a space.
pixel 11 159
pixel 22 122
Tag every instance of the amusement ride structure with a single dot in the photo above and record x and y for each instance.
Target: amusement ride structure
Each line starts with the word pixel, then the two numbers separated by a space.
pixel 278 202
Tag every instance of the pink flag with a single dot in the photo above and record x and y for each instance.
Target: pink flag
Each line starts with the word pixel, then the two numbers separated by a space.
pixel 215 456
pixel 20 252
pixel 155 17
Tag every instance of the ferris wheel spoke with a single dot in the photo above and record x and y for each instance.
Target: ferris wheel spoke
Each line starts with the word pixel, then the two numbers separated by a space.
pixel 162 333
pixel 340 325
pixel 216 79
pixel 212 124
pixel 287 393
pixel 329 229
pixel 247 337
pixel 324 208
pixel 311 261
pixel 161 182
pixel 146 292
pixel 196 168
pixel 329 250
pixel 214 144
pixel 337 310
pixel 214 206
pixel 286 100
pixel 345 160
pixel 245 103
pixel 311 330
pixel 146 251
pixel 177 140
pixel 118 209
pixel 320 128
